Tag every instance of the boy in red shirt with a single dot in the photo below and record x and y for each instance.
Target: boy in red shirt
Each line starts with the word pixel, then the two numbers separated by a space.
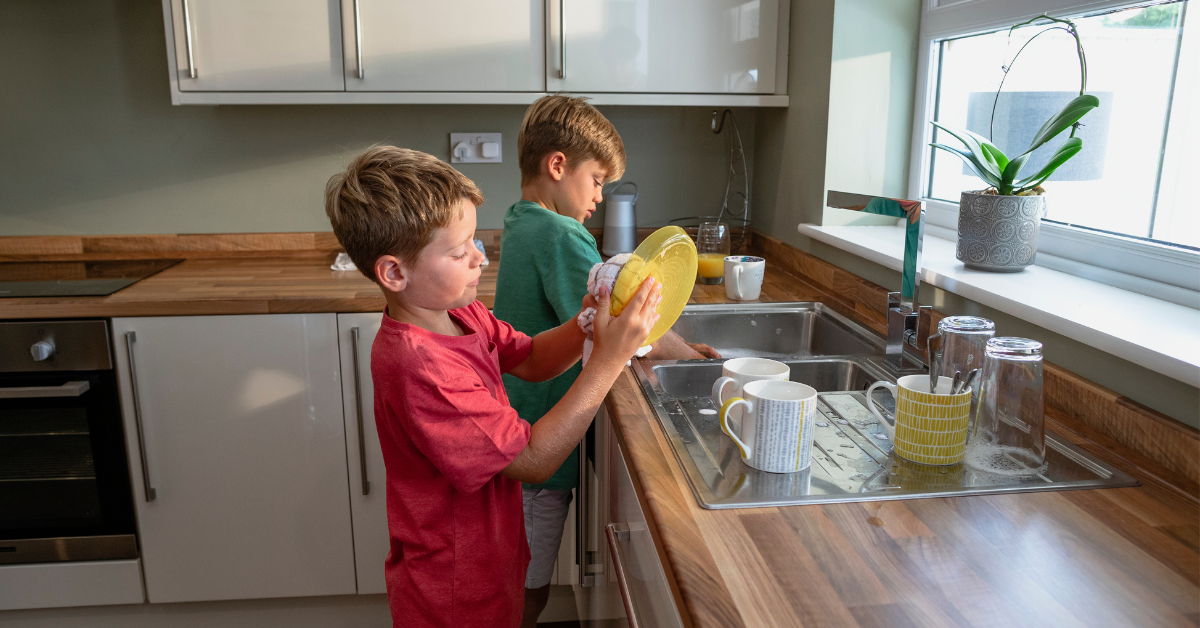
pixel 454 450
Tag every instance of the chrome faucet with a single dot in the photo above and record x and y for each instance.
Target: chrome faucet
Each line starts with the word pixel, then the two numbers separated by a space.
pixel 907 322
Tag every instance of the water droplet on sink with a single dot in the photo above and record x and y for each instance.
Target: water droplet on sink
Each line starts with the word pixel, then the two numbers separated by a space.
pixel 822 425
pixel 853 476
pixel 707 411
pixel 893 473
pixel 753 323
pixel 778 331
pixel 880 436
pixel 847 445
pixel 843 422
pixel 843 455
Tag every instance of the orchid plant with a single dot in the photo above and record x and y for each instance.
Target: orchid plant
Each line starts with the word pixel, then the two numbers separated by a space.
pixel 991 164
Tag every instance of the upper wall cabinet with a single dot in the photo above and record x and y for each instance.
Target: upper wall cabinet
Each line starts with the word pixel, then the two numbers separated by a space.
pixel 665 46
pixel 257 45
pixel 446 46
pixel 718 53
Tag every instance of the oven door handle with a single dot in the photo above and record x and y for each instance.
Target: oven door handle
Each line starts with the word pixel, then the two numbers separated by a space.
pixel 69 389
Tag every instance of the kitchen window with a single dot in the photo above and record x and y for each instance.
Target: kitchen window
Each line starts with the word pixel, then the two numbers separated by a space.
pixel 1124 211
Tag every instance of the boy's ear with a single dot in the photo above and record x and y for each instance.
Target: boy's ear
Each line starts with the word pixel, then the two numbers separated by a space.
pixel 556 165
pixel 390 273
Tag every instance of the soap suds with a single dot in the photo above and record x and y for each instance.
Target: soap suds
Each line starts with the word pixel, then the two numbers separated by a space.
pixel 998 460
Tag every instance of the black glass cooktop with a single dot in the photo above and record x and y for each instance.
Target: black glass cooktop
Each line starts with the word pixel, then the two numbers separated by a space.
pixel 75 279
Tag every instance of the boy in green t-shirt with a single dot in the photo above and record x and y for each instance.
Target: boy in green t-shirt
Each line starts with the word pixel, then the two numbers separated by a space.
pixel 567 151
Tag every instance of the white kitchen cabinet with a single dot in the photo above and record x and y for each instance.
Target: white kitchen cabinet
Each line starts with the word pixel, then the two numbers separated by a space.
pixel 237 454
pixel 255 45
pixel 632 577
pixel 719 53
pixel 368 486
pixel 450 46
pixel 667 46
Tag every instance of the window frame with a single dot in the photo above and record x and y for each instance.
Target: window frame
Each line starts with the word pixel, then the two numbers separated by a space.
pixel 1158 270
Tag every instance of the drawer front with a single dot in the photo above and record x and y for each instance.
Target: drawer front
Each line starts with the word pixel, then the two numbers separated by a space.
pixel 90 583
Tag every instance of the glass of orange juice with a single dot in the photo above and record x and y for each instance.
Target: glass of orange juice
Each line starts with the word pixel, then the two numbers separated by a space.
pixel 712 245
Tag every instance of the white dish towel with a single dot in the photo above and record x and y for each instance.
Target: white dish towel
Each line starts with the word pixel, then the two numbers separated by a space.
pixel 603 274
pixel 343 262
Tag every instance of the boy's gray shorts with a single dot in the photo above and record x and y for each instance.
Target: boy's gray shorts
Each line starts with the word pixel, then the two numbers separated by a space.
pixel 545 515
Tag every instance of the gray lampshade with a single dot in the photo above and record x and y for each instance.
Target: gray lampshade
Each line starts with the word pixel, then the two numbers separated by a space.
pixel 1019 115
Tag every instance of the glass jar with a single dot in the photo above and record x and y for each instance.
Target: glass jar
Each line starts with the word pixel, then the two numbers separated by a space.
pixel 964 339
pixel 712 246
pixel 1009 435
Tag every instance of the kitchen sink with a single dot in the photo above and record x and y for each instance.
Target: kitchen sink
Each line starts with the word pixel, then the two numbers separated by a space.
pixel 695 378
pixel 776 330
pixel 781 330
pixel 852 457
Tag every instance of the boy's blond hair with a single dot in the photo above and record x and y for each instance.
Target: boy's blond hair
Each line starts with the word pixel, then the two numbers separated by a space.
pixel 572 126
pixel 390 201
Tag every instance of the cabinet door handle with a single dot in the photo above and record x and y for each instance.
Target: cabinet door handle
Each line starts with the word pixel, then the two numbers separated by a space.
pixel 358 47
pixel 614 548
pixel 187 39
pixel 562 39
pixel 362 443
pixel 130 338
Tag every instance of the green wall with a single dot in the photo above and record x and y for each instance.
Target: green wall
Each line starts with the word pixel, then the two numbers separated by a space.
pixel 793 147
pixel 92 145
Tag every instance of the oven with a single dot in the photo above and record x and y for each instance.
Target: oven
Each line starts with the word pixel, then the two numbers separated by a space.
pixel 64 476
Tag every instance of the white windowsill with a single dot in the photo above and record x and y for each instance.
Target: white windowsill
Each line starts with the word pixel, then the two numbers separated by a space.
pixel 1161 336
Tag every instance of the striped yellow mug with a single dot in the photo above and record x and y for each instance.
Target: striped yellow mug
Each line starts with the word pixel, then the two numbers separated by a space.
pixel 930 428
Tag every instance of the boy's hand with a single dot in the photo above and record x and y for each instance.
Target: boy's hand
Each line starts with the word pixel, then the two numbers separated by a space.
pixel 619 338
pixel 705 350
pixel 588 301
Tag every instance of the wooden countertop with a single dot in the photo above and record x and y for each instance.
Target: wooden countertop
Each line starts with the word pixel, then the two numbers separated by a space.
pixel 1102 557
pixel 274 285
pixel 230 286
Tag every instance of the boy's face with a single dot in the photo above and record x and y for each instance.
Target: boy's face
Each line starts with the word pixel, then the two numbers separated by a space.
pixel 446 273
pixel 580 189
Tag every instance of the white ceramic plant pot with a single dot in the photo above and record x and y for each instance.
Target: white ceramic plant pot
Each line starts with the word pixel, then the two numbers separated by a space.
pixel 998 233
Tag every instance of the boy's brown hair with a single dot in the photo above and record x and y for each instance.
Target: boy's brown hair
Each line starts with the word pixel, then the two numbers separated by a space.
pixel 572 126
pixel 390 201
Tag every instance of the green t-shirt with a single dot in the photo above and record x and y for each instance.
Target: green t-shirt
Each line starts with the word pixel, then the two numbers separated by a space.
pixel 544 263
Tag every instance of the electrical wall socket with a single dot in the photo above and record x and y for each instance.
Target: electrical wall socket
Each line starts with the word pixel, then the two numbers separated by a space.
pixel 475 148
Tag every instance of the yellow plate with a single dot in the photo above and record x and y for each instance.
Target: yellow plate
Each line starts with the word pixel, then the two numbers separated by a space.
pixel 669 256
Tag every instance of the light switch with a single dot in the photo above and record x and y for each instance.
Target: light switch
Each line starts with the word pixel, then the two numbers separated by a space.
pixel 468 148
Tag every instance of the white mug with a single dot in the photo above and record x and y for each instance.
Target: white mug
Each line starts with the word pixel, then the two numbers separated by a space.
pixel 744 277
pixel 776 432
pixel 742 371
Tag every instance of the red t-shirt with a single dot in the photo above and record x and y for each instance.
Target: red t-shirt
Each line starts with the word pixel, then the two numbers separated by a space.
pixel 458 551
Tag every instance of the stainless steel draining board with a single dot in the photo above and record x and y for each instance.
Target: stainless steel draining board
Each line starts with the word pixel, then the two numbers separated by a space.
pixel 851 461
